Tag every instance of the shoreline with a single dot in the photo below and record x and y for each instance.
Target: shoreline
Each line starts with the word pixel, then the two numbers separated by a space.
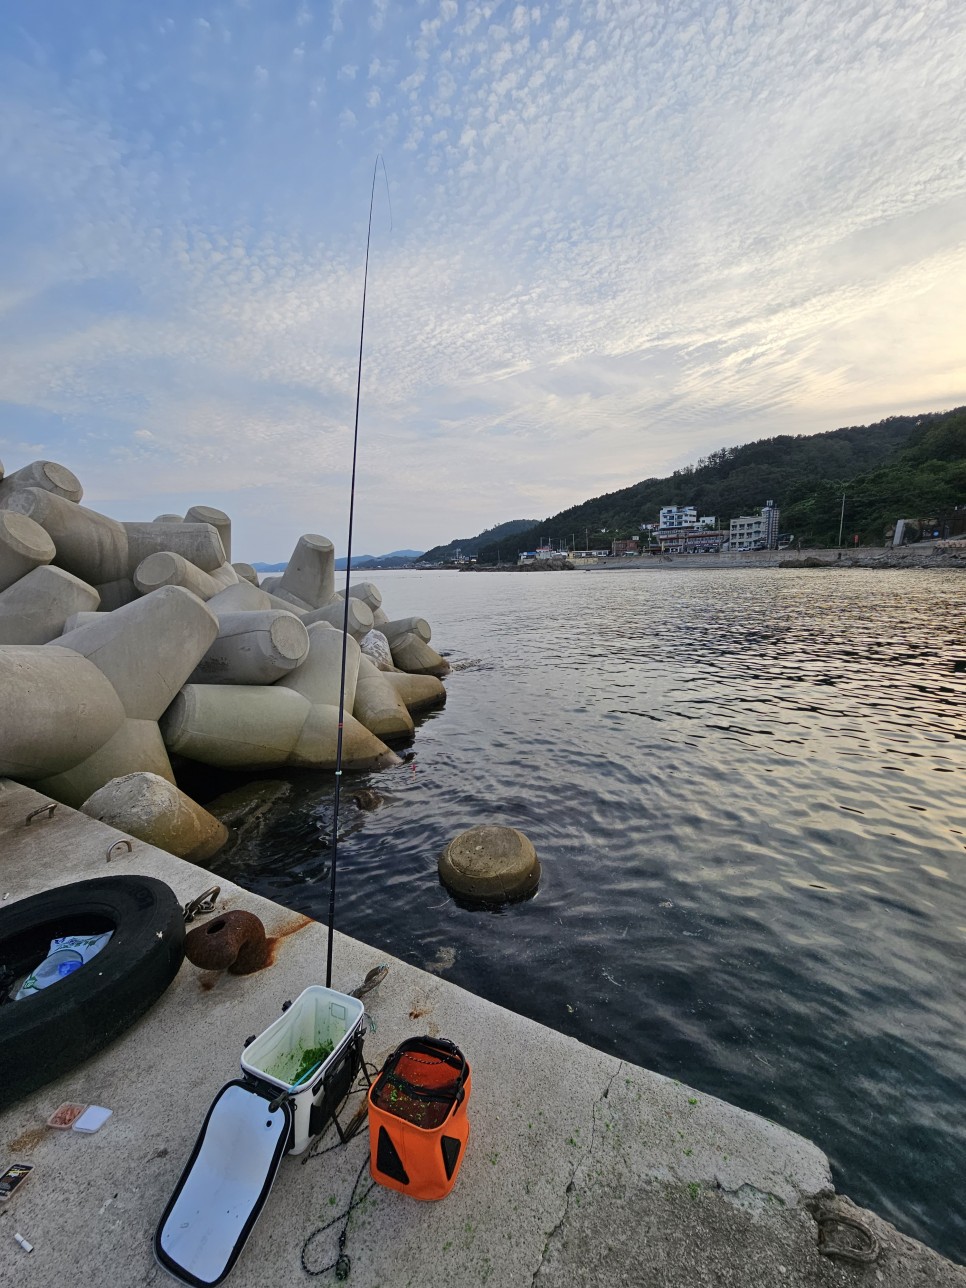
pixel 925 556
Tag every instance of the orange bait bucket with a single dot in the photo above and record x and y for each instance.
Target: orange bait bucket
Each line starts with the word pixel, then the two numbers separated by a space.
pixel 417 1118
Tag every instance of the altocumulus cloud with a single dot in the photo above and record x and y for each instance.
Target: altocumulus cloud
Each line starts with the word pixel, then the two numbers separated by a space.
pixel 623 233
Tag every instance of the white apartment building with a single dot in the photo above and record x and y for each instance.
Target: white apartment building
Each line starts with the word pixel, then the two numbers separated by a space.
pixel 755 531
pixel 678 516
pixel 682 516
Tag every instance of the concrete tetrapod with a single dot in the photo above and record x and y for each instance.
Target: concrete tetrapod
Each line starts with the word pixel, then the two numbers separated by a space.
pixel 90 545
pixel 419 692
pixel 272 585
pixel 149 648
pixel 417 626
pixel 360 617
pixel 309 576
pixel 155 811
pixel 199 543
pixel 246 572
pixel 246 598
pixel 34 609
pixel 368 592
pixel 43 474
pixel 253 648
pixel 235 726
pixel 490 864
pixel 24 545
pixel 319 678
pixel 80 619
pixel 145 650
pixel 98 549
pixel 224 575
pixel 410 653
pixel 243 598
pixel 218 519
pixel 168 569
pixel 56 708
pixel 378 706
pixel 137 745
pixel 318 745
pixel 248 727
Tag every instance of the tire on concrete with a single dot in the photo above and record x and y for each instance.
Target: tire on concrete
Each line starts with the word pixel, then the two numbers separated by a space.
pixel 48 1034
pixel 490 865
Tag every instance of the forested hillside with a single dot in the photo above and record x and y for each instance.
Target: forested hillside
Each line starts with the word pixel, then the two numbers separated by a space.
pixel 469 546
pixel 905 466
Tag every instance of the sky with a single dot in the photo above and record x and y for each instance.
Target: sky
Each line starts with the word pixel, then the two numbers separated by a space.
pixel 610 236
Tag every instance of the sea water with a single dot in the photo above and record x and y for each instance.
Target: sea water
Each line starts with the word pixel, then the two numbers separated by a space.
pixel 747 793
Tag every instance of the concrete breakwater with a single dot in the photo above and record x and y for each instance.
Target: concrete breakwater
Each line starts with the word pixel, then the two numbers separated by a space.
pixel 122 644
pixel 581 1168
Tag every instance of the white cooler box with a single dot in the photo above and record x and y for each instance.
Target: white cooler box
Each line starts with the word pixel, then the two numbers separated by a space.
pixel 296 1074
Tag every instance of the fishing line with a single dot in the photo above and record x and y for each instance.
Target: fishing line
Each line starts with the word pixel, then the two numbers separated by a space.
pixel 348 572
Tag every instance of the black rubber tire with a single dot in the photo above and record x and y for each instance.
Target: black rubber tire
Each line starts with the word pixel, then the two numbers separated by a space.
pixel 44 1036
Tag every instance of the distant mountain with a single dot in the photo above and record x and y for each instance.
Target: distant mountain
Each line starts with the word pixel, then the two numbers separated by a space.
pixel 395 559
pixel 903 467
pixel 467 547
pixel 358 561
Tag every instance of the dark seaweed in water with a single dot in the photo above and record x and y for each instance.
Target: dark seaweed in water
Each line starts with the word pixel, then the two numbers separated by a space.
pixel 747 793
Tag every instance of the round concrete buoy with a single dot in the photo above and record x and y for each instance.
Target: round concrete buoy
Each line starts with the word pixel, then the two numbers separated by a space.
pixel 492 864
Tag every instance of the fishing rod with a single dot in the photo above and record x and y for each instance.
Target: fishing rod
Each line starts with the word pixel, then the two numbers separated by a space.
pixel 348 573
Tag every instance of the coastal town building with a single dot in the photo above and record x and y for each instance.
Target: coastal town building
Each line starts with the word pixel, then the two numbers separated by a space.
pixel 695 541
pixel 678 516
pixel 755 531
pixel 683 517
pixel 628 546
pixel 681 531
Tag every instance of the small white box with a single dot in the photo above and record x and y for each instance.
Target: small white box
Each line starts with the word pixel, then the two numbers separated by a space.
pixel 92 1119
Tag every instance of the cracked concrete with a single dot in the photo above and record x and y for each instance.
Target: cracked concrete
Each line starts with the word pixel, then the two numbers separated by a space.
pixel 581 1169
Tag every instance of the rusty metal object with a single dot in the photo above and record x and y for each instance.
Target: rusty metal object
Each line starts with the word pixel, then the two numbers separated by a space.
pixel 846 1237
pixel 235 942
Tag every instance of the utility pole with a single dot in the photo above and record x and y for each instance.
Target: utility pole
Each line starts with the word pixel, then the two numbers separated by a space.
pixel 841 520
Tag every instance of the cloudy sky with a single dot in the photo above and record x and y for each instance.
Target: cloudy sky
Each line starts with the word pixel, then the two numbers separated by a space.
pixel 623 233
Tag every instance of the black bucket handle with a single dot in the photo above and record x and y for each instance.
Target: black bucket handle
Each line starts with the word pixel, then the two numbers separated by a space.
pixel 441 1049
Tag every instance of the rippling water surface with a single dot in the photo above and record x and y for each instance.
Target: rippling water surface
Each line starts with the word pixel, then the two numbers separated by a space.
pixel 747 793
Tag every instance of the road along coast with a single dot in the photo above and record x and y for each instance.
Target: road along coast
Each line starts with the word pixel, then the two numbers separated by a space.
pixel 581 1168
pixel 932 554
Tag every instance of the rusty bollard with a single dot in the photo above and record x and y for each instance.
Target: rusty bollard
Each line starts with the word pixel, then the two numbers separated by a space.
pixel 235 942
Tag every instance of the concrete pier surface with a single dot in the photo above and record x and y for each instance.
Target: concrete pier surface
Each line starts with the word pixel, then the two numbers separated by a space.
pixel 581 1169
